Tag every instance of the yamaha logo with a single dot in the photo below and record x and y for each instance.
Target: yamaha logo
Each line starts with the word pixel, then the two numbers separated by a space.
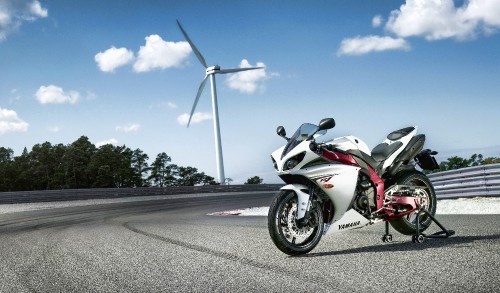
pixel 349 225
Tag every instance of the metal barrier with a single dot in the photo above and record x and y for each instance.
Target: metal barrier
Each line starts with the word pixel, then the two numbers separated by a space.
pixel 102 193
pixel 467 182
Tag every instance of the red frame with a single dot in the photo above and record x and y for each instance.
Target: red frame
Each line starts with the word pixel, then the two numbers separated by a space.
pixel 348 159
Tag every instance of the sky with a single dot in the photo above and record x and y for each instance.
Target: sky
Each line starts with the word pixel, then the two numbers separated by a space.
pixel 121 72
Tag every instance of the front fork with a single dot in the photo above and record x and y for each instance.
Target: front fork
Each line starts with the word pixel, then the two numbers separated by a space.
pixel 303 201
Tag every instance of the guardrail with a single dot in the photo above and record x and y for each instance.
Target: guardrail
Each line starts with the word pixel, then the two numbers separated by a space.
pixel 102 193
pixel 467 182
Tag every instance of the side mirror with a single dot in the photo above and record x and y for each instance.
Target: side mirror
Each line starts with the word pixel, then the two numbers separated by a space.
pixel 281 132
pixel 327 123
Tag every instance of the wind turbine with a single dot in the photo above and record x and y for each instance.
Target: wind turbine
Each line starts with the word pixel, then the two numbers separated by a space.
pixel 211 72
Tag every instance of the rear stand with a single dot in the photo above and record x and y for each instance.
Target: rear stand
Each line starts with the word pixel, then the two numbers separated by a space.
pixel 420 237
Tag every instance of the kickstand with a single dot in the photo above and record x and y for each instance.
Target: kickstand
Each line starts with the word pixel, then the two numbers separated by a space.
pixel 420 237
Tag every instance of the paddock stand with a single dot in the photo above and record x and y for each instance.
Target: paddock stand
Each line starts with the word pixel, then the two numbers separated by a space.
pixel 420 237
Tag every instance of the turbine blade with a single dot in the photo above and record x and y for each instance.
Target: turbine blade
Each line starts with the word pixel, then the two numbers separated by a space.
pixel 200 90
pixel 195 50
pixel 224 71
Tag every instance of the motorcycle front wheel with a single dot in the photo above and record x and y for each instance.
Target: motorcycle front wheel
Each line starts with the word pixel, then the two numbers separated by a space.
pixel 287 235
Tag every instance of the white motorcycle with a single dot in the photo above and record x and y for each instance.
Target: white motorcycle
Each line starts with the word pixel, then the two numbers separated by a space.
pixel 340 185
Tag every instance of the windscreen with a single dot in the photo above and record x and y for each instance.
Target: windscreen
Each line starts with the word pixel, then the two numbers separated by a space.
pixel 303 133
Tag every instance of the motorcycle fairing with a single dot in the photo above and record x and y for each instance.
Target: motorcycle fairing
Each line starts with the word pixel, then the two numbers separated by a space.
pixel 337 181
pixel 303 147
pixel 374 177
pixel 384 154
pixel 350 220
pixel 350 142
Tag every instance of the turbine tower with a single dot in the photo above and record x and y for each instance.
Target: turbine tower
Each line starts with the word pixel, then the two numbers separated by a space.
pixel 211 72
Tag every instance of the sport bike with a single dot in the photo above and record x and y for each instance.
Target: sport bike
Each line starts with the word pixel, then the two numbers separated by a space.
pixel 340 185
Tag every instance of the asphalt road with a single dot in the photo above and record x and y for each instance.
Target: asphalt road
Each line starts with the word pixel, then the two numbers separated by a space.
pixel 173 246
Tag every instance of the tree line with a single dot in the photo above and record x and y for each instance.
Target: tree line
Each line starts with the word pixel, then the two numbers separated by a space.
pixel 456 162
pixel 83 165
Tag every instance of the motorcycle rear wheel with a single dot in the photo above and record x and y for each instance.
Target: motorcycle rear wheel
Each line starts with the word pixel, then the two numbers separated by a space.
pixel 283 228
pixel 408 224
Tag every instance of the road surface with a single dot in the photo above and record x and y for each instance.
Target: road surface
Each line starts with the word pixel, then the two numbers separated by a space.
pixel 172 245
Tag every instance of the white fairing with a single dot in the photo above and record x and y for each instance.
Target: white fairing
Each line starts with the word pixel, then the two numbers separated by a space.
pixel 405 140
pixel 342 178
pixel 350 142
pixel 351 220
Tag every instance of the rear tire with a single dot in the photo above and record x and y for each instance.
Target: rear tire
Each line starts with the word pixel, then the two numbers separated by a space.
pixel 283 229
pixel 408 224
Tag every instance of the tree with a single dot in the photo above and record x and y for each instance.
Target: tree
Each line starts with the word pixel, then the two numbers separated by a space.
pixel 456 162
pixel 254 180
pixel 111 166
pixel 6 169
pixel 491 160
pixel 189 176
pixel 77 161
pixel 22 167
pixel 141 168
pixel 476 160
pixel 162 174
pixel 45 159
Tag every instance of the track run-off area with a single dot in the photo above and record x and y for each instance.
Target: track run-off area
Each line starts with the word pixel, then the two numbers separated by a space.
pixel 173 245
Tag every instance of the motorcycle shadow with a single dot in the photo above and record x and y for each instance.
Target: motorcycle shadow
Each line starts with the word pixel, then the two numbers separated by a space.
pixel 407 245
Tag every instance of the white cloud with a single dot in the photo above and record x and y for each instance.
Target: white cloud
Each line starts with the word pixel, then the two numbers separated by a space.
pixel 37 10
pixel 52 94
pixel 377 20
pixel 10 122
pixel 131 127
pixel 248 81
pixel 363 45
pixel 14 12
pixel 112 141
pixel 197 118
pixel 113 58
pixel 171 105
pixel 159 54
pixel 440 19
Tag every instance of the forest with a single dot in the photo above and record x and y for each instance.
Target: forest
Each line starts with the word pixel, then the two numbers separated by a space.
pixel 83 165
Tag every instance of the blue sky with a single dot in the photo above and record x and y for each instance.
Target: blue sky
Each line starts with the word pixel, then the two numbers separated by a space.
pixel 121 72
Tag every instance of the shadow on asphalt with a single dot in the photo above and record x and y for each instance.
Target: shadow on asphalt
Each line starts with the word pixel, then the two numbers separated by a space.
pixel 408 246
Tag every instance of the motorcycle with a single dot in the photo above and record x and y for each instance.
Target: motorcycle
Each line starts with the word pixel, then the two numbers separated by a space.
pixel 340 185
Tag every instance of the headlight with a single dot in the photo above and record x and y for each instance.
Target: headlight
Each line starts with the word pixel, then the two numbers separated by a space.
pixel 294 161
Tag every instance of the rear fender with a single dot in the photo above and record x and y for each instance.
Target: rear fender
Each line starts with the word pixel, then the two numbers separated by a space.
pixel 302 198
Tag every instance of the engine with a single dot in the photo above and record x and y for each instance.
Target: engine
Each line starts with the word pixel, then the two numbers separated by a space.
pixel 365 196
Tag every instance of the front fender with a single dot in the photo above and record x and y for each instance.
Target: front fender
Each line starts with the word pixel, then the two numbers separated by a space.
pixel 302 198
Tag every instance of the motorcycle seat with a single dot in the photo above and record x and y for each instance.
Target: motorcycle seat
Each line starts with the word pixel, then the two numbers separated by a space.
pixel 397 134
pixel 382 151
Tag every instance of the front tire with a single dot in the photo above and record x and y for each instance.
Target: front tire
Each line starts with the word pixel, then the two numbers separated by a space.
pixel 408 225
pixel 283 229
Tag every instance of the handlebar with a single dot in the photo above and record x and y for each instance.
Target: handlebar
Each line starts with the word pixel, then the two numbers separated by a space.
pixel 318 147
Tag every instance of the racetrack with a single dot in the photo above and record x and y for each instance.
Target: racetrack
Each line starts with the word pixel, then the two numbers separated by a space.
pixel 172 245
